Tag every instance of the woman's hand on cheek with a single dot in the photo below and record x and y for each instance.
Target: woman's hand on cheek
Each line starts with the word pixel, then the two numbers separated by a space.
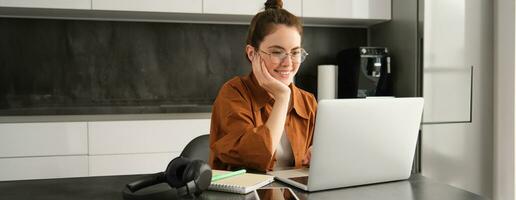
pixel 275 87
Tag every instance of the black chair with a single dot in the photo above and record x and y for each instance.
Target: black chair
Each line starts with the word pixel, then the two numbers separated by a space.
pixel 198 148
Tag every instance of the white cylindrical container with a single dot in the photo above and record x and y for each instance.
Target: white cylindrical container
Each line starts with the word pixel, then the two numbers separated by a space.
pixel 327 76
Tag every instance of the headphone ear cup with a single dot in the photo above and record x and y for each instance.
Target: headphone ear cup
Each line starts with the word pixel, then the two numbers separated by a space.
pixel 175 171
pixel 191 171
pixel 204 179
pixel 199 172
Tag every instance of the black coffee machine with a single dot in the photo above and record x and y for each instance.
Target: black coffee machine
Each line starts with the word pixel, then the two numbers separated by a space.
pixel 364 71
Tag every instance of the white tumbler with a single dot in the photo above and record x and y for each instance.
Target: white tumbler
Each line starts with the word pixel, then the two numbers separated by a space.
pixel 327 76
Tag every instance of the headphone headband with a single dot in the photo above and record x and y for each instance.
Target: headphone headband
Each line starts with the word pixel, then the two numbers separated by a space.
pixel 186 176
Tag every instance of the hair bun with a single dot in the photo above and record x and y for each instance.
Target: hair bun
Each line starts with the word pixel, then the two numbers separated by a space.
pixel 273 4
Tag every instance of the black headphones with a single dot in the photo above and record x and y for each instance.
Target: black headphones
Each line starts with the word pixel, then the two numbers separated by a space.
pixel 189 177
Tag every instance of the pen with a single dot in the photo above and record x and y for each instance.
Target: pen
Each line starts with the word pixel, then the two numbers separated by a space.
pixel 227 175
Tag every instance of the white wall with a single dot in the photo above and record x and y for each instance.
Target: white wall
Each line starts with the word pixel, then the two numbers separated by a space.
pixel 461 154
pixel 504 100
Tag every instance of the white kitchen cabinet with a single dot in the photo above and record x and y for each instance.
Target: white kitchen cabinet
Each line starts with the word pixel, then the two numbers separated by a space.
pixel 361 13
pixel 347 9
pixel 43 167
pixel 145 136
pixel 246 7
pixel 293 6
pixel 98 148
pixel 173 6
pixel 105 165
pixel 447 67
pixel 139 147
pixel 43 139
pixel 57 4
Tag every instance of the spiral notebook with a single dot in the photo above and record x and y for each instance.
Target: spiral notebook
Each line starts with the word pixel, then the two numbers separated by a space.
pixel 241 184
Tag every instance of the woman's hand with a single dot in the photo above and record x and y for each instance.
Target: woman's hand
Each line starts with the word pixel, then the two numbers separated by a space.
pixel 308 156
pixel 273 86
pixel 279 91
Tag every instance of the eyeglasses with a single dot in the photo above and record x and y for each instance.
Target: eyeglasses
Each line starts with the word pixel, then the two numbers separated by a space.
pixel 277 56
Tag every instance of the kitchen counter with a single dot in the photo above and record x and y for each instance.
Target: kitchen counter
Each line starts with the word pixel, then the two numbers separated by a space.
pixel 110 187
pixel 102 117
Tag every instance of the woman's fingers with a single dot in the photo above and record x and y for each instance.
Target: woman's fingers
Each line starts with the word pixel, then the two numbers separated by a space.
pixel 266 73
pixel 265 79
pixel 306 161
pixel 308 157
pixel 254 64
pixel 262 75
pixel 257 69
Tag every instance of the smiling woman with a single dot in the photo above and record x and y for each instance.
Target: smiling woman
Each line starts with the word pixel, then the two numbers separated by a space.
pixel 262 121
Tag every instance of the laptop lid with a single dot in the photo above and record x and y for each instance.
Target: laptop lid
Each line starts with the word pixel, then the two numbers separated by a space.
pixel 363 141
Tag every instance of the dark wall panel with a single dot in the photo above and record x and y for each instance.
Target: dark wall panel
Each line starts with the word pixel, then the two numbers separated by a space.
pixel 323 44
pixel 99 67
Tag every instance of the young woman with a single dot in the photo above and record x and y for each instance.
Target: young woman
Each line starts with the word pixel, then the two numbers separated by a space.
pixel 262 121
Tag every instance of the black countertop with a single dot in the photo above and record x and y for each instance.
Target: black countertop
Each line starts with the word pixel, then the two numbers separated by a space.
pixel 110 187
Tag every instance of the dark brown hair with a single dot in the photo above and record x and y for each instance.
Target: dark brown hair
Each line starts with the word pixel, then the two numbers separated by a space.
pixel 263 23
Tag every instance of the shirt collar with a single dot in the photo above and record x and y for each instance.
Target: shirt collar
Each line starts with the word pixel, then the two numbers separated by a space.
pixel 263 98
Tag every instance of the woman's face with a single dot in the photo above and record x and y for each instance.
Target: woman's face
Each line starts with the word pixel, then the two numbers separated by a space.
pixel 283 40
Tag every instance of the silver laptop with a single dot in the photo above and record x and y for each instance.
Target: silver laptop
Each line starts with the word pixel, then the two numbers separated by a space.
pixel 359 141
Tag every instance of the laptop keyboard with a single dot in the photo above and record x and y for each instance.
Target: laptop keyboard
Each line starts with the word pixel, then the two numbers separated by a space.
pixel 302 179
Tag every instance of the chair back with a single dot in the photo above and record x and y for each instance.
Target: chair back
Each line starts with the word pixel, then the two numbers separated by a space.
pixel 198 148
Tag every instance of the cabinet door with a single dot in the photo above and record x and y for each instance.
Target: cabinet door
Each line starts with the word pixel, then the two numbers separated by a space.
pixel 145 136
pixel 446 72
pixel 348 9
pixel 43 139
pixel 146 163
pixel 179 6
pixel 58 4
pixel 43 167
pixel 246 7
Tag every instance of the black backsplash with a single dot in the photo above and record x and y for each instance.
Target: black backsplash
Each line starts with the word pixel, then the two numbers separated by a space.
pixel 50 67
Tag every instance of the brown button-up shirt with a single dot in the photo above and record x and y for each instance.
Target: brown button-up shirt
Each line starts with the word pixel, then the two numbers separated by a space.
pixel 238 135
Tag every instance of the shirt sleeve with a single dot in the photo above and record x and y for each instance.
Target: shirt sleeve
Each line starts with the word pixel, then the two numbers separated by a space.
pixel 313 110
pixel 239 141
